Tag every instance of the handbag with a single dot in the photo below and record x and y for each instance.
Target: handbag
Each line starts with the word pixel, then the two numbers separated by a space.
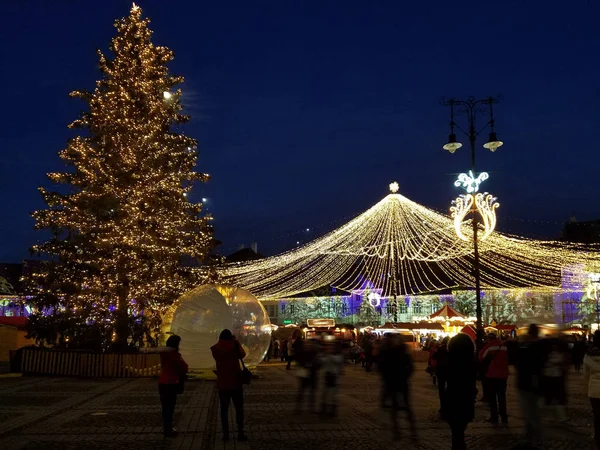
pixel 246 375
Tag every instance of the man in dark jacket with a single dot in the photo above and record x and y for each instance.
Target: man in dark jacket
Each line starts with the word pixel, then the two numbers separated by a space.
pixel 227 354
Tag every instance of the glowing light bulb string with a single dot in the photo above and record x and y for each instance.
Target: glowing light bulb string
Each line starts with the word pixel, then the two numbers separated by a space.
pixel 402 248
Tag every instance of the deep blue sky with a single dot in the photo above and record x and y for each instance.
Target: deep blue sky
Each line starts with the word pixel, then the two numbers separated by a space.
pixel 306 110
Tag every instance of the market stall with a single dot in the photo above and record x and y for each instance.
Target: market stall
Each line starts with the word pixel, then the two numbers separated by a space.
pixel 414 331
pixel 451 320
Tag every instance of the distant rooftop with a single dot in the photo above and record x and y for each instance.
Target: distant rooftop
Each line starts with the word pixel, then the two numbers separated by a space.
pixel 243 255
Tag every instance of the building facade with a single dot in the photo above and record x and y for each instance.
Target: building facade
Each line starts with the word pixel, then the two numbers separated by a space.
pixel 502 306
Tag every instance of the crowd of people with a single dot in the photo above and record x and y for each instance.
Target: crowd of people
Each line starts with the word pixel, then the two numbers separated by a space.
pixel 462 375
pixel 541 364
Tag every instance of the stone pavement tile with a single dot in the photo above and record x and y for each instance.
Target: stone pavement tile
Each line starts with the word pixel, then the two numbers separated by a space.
pixel 48 404
pixel 359 392
pixel 115 420
pixel 98 442
pixel 131 417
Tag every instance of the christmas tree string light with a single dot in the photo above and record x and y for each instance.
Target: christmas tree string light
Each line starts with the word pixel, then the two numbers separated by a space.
pixel 404 248
pixel 121 217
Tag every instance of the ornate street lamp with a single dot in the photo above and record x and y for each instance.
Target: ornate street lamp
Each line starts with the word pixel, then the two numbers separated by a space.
pixel 477 203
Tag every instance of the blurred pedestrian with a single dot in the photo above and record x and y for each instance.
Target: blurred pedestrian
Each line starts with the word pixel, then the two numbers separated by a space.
pixel 441 372
pixel 284 350
pixel 461 391
pixel 431 362
pixel 383 366
pixel 276 349
pixel 269 351
pixel 307 370
pixel 368 350
pixel 530 361
pixel 494 368
pixel 485 389
pixel 173 370
pixel 293 345
pixel 332 364
pixel 355 352
pixel 578 352
pixel 554 377
pixel 591 367
pixel 376 349
pixel 227 354
pixel 396 367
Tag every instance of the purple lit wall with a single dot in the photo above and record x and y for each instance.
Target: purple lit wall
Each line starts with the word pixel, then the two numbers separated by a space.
pixel 573 279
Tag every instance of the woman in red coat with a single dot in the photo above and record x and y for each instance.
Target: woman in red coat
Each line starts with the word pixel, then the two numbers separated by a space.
pixel 227 354
pixel 172 369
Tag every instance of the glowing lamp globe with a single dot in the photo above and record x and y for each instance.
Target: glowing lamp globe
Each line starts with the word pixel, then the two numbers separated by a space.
pixel 452 144
pixel 201 314
pixel 493 143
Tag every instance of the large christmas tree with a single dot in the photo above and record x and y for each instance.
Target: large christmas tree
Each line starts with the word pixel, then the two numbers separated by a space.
pixel 120 217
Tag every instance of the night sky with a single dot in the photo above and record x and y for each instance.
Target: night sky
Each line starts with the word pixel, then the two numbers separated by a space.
pixel 305 111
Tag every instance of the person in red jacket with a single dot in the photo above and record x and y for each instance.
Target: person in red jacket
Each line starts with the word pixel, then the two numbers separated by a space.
pixel 227 354
pixel 172 370
pixel 494 361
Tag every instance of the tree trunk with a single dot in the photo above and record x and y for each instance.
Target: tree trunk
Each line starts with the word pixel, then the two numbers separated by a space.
pixel 122 322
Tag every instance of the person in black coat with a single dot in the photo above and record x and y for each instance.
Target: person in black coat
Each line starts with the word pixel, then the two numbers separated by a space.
pixel 396 367
pixel 461 390
pixel 441 372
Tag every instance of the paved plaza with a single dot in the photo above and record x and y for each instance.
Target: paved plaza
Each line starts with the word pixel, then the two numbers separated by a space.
pixel 69 414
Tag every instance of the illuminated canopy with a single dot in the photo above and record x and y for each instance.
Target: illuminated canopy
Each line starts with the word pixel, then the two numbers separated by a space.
pixel 404 248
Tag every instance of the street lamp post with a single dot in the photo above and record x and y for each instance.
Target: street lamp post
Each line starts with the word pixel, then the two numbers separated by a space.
pixel 471 108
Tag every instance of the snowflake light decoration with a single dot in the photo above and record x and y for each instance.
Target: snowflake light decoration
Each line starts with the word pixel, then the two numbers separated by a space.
pixel 394 187
pixel 469 182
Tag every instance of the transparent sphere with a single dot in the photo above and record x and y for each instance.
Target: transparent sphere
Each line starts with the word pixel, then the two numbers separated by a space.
pixel 205 311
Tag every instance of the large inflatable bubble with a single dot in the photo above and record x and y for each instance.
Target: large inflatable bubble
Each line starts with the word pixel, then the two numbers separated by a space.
pixel 202 313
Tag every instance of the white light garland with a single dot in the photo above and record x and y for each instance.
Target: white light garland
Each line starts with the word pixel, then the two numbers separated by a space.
pixel 485 204
pixel 404 248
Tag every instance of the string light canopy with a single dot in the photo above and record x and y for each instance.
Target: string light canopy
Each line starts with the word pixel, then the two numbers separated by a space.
pixel 404 248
